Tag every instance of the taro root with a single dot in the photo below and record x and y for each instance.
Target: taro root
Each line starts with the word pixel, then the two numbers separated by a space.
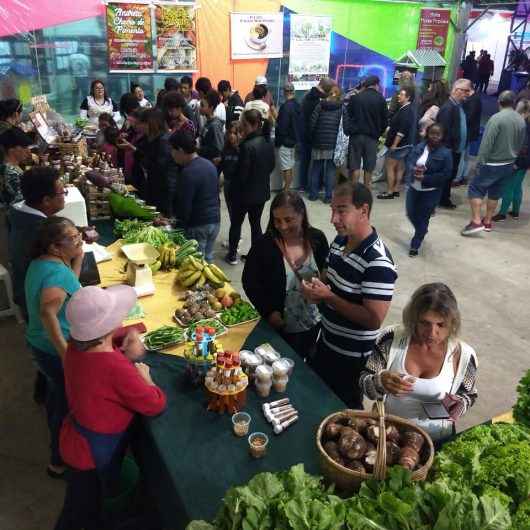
pixel 393 453
pixel 372 433
pixel 347 431
pixel 369 459
pixel 356 465
pixel 412 439
pixel 409 458
pixel 359 424
pixel 357 449
pixel 342 419
pixel 331 448
pixel 338 459
pixel 351 441
pixel 392 434
pixel 332 430
pixel 371 421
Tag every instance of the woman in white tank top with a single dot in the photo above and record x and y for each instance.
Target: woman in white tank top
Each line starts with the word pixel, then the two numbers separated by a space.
pixel 424 361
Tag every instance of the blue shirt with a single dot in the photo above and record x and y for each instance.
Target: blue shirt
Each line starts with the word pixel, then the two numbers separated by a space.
pixel 41 275
pixel 463 130
pixel 366 273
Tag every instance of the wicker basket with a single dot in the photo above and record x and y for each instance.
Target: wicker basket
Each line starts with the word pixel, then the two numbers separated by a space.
pixel 73 148
pixel 348 480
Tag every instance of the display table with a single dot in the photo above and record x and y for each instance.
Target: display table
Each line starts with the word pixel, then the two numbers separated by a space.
pixel 74 207
pixel 190 457
pixel 160 307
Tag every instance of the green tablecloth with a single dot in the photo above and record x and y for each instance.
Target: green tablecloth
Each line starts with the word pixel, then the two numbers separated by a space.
pixel 190 456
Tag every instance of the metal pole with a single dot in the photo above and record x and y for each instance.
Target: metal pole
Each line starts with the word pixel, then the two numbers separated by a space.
pixel 460 38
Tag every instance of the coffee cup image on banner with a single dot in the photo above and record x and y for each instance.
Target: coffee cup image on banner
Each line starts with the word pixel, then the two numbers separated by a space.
pixel 258 35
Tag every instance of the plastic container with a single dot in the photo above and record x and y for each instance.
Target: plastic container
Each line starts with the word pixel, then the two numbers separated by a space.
pixel 290 364
pixel 267 353
pixel 251 362
pixel 280 368
pixel 280 383
pixel 263 389
pixel 241 423
pixel 258 442
pixel 264 373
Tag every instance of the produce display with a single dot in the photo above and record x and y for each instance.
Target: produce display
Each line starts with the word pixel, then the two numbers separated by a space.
pixel 208 323
pixel 196 272
pixel 173 257
pixel 296 500
pixel 351 442
pixel 164 337
pixel 198 305
pixel 521 410
pixel 238 313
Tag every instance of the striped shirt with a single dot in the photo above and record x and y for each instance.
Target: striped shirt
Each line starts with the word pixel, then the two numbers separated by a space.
pixel 366 273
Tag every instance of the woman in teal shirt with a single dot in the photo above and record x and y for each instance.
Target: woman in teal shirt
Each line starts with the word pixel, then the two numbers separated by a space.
pixel 52 277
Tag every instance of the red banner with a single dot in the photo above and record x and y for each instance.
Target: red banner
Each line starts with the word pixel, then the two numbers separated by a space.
pixel 434 25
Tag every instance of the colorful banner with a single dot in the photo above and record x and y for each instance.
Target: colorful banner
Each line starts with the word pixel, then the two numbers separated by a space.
pixel 434 25
pixel 176 39
pixel 256 35
pixel 310 49
pixel 129 41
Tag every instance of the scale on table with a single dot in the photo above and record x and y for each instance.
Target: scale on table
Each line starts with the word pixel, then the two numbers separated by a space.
pixel 139 274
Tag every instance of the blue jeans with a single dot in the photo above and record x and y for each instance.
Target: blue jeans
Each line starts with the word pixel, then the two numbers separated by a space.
pixel 51 366
pixel 305 163
pixel 420 206
pixel 326 169
pixel 205 236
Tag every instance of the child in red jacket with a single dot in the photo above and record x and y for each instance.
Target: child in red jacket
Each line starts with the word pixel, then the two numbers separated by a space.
pixel 104 389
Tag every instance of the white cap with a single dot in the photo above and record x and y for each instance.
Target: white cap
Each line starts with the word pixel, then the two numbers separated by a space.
pixel 261 80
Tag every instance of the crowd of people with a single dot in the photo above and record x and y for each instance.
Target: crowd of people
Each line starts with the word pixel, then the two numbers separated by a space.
pixel 328 300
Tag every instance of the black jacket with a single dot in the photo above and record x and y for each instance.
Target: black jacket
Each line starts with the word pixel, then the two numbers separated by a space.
pixel 252 181
pixel 23 228
pixel 289 124
pixel 198 198
pixel 310 101
pixel 402 122
pixel 367 113
pixel 449 118
pixel 212 139
pixel 264 278
pixel 438 169
pixel 523 160
pixel 473 109
pixel 325 123
pixel 234 108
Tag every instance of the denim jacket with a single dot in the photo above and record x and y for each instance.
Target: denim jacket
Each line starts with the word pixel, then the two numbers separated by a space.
pixel 438 168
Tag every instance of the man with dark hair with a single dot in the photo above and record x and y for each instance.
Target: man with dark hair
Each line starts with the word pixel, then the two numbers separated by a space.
pixel 171 84
pixel 198 207
pixel 288 130
pixel 203 86
pixel 186 88
pixel 212 136
pixel 366 120
pixel 174 107
pixel 501 143
pixel 232 101
pixel 356 295
pixel 43 194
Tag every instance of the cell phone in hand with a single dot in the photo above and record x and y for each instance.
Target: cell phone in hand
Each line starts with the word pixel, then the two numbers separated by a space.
pixel 435 410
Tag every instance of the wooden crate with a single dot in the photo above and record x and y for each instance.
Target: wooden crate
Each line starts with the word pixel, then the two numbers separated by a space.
pixel 70 148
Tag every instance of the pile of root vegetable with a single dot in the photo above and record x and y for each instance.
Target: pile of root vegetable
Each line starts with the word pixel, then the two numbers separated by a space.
pixel 351 442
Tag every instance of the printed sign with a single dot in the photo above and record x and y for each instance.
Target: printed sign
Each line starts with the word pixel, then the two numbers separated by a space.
pixel 129 41
pixel 176 39
pixel 434 25
pixel 256 35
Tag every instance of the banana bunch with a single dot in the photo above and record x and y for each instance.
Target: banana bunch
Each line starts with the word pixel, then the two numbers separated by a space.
pixel 196 272
pixel 168 257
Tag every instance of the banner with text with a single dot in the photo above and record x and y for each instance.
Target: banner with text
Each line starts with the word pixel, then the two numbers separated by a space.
pixel 256 35
pixel 310 49
pixel 129 39
pixel 434 25
pixel 176 38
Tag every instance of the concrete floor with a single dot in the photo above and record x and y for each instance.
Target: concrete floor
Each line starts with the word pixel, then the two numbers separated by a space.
pixel 489 274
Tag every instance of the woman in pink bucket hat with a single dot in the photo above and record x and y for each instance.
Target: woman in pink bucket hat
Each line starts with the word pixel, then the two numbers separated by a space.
pixel 104 389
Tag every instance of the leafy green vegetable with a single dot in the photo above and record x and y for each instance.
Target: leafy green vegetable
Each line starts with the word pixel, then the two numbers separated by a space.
pixel 489 459
pixel 241 311
pixel 521 410
pixel 521 520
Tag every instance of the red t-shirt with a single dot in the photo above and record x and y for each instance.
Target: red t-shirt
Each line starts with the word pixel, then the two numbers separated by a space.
pixel 104 391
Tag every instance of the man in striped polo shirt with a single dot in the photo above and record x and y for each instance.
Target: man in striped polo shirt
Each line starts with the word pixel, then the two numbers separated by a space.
pixel 355 294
